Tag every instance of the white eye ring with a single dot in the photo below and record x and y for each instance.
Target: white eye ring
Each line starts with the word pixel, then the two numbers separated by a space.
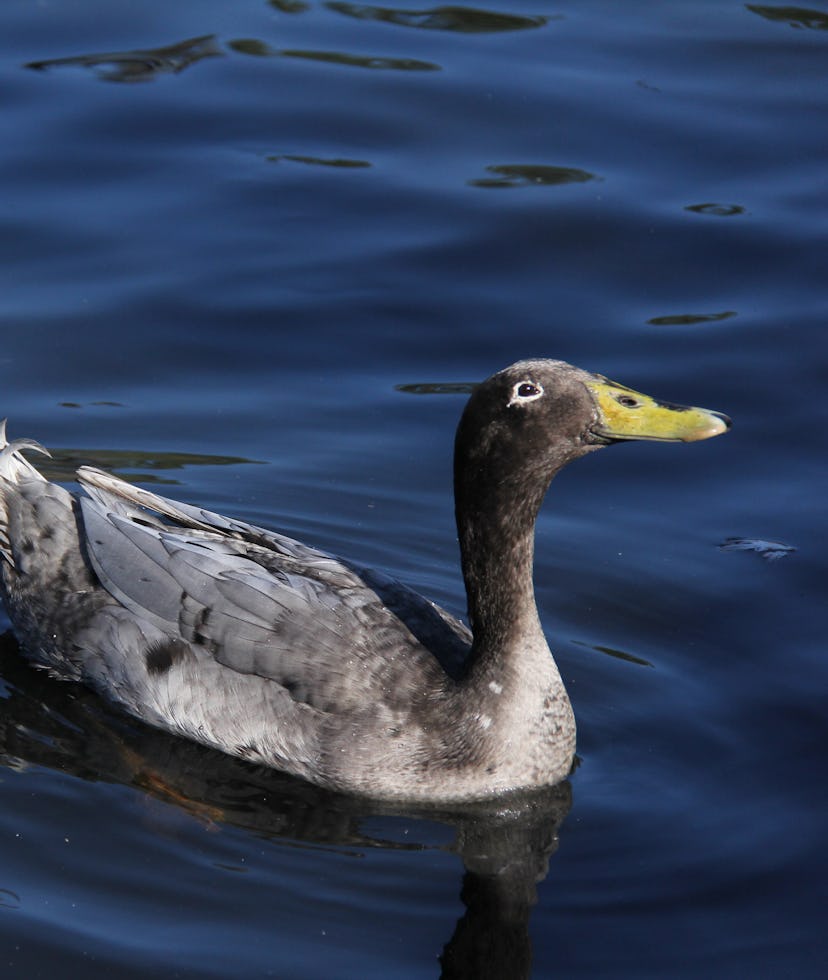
pixel 525 391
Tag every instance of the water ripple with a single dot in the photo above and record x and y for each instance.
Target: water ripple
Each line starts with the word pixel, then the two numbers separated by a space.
pixel 340 162
pixel 769 550
pixel 463 20
pixel 793 16
pixel 532 175
pixel 141 64
pixel 717 210
pixel 686 319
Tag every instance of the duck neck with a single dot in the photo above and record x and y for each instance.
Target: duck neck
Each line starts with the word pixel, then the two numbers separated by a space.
pixel 496 528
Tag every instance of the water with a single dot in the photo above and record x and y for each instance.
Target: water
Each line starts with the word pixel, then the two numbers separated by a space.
pixel 239 249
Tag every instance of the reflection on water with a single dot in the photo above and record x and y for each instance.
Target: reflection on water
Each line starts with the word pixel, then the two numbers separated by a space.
pixel 793 16
pixel 97 404
pixel 717 210
pixel 260 49
pixel 528 175
pixel 504 847
pixel 140 65
pixel 363 61
pixel 464 20
pixel 437 388
pixel 289 6
pixel 253 47
pixel 319 161
pixel 9 899
pixel 687 319
pixel 630 658
pixel 63 463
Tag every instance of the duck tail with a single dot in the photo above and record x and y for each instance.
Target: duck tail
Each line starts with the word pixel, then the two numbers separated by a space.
pixel 12 464
pixel 14 470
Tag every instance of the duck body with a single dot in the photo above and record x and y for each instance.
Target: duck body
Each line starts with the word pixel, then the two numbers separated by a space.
pixel 251 642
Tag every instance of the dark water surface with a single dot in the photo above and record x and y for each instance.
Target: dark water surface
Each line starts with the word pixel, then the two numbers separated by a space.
pixel 230 232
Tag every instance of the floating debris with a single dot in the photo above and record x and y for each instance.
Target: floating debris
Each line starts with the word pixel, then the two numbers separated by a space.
pixel 769 550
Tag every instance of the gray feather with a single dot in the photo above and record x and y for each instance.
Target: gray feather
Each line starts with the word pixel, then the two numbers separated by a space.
pixel 249 641
pixel 130 562
pixel 285 613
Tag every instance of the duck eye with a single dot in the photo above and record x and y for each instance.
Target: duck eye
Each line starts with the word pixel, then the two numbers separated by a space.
pixel 525 391
pixel 528 389
pixel 627 401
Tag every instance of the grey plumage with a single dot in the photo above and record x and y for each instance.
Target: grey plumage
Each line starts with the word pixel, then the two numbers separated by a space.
pixel 256 644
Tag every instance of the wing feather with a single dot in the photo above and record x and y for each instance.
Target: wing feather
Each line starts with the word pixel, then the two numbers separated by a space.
pixel 261 603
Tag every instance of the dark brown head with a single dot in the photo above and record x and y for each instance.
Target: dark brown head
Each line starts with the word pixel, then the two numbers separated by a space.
pixel 518 429
pixel 527 421
pixel 523 424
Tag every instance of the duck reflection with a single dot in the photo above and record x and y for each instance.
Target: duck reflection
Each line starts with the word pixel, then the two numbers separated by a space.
pixel 504 846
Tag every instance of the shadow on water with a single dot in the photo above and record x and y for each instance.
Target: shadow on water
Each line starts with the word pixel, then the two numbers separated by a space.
pixel 505 846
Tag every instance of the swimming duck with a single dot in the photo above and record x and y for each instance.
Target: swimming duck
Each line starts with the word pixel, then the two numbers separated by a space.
pixel 248 641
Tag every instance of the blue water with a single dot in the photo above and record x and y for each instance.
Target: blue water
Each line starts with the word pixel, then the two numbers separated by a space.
pixel 240 247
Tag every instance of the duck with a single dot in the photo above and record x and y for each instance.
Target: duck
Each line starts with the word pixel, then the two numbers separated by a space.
pixel 255 644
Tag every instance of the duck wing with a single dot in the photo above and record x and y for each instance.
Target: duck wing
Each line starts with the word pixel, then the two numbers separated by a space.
pixel 261 603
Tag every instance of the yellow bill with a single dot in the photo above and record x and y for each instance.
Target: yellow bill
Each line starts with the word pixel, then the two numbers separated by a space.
pixel 627 414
